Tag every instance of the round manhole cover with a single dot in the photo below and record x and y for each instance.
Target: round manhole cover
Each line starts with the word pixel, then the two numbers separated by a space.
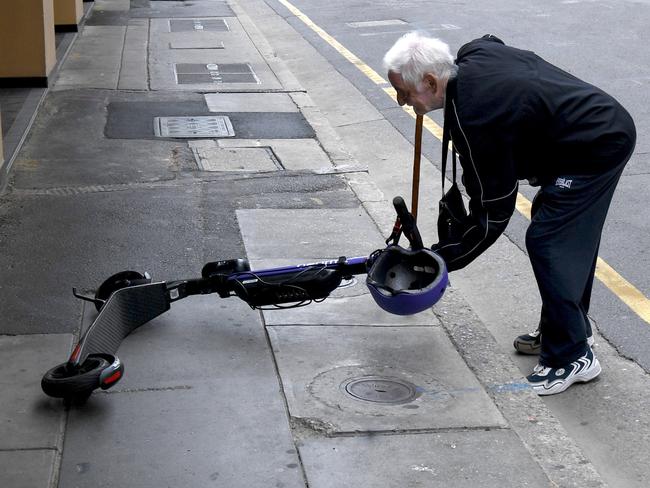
pixel 380 389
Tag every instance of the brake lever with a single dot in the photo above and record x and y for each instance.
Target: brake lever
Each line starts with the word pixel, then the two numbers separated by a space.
pixel 86 298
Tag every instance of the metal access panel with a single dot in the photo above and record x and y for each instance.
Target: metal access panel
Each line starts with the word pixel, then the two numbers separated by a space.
pixel 193 127
pixel 187 73
pixel 185 25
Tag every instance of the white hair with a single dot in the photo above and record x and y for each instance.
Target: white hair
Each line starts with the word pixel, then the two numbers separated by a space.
pixel 414 55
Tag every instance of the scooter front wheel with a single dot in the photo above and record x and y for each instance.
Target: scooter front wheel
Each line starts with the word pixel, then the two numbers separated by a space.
pixel 74 384
pixel 120 280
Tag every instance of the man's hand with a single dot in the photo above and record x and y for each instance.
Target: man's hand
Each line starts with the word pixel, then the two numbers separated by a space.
pixel 435 247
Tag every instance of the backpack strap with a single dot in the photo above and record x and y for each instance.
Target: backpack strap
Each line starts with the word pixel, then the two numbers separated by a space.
pixel 446 135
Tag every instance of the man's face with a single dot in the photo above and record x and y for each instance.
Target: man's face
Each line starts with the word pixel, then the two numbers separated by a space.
pixel 422 98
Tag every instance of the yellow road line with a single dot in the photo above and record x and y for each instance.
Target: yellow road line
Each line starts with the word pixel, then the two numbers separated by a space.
pixel 632 297
pixel 618 285
pixel 622 288
pixel 523 205
pixel 363 67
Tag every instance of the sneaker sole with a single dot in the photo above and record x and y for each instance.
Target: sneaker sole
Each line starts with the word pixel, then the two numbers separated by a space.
pixel 525 347
pixel 593 372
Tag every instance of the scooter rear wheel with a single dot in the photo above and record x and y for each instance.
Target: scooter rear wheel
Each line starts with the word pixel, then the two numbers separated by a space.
pixel 74 384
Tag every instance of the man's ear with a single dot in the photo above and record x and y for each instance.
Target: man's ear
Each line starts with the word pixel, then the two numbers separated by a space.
pixel 430 81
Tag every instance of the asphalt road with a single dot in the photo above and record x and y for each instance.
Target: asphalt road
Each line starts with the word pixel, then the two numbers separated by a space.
pixel 602 42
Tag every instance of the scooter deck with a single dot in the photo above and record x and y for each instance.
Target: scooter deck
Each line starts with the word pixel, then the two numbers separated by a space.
pixel 126 310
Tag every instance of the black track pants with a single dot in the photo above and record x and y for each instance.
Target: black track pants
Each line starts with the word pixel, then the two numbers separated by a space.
pixel 562 241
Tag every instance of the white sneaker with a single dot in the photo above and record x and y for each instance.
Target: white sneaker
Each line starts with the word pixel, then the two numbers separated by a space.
pixel 549 381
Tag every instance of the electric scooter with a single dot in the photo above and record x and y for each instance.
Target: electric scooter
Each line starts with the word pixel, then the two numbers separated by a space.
pixel 129 299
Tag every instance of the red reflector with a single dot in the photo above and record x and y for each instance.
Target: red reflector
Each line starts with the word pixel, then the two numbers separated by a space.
pixel 75 353
pixel 113 378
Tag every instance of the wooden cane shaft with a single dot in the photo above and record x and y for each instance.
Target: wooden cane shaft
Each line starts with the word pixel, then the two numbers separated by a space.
pixel 415 193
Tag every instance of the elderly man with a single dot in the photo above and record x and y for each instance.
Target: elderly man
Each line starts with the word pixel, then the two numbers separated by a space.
pixel 511 116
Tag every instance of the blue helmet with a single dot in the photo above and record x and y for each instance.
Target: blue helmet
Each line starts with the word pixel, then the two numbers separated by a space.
pixel 405 282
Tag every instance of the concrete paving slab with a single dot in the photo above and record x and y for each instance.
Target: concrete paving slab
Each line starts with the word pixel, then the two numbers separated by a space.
pixel 250 102
pixel 350 311
pixel 293 154
pixel 327 136
pixel 199 404
pixel 126 163
pixel 638 163
pixel 193 39
pixel 305 233
pixel 316 363
pixel 167 231
pixel 204 436
pixel 359 310
pixel 287 79
pixel 218 341
pixel 18 106
pixel 540 430
pixel 111 5
pixel 390 167
pixel 276 190
pixel 68 145
pixel 95 59
pixel 133 73
pixel 237 48
pixel 319 235
pixel 252 159
pixel 215 42
pixel 622 387
pixel 27 469
pixel 181 9
pixel 28 418
pixel 100 17
pixel 342 103
pixel 449 459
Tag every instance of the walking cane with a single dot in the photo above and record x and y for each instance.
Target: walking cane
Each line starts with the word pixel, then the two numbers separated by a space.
pixel 415 192
pixel 415 188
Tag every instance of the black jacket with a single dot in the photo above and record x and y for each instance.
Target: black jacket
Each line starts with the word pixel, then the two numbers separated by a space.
pixel 514 116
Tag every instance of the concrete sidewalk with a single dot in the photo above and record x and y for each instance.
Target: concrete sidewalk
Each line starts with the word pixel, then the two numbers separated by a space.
pixel 216 394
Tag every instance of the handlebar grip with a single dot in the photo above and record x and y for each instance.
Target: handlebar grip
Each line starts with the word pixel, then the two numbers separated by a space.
pixel 409 227
pixel 401 209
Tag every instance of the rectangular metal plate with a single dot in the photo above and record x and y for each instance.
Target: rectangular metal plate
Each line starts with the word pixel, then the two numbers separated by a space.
pixel 192 44
pixel 190 127
pixel 376 23
pixel 236 78
pixel 187 73
pixel 185 25
pixel 187 79
pixel 194 68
